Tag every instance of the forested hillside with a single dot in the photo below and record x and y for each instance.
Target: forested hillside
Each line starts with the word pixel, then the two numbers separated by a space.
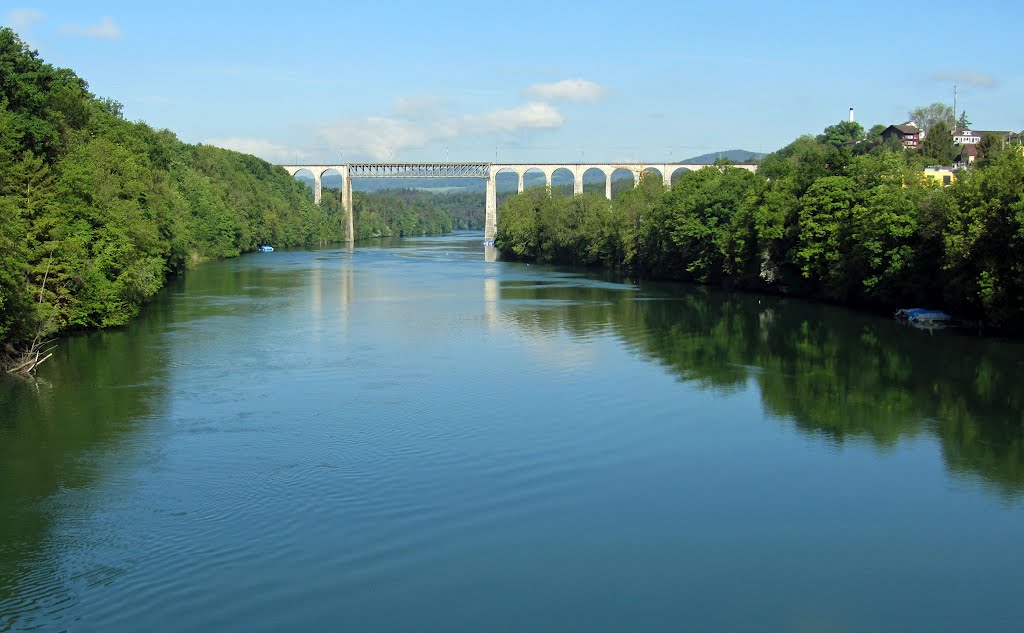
pixel 96 211
pixel 838 217
pixel 405 212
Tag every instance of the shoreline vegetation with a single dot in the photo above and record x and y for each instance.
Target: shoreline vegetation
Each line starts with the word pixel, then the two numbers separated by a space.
pixel 97 212
pixel 843 217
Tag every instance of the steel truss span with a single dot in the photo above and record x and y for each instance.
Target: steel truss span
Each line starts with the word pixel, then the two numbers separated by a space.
pixel 419 170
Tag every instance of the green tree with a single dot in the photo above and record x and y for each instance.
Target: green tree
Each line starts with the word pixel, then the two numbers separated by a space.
pixel 875 133
pixel 927 116
pixel 938 146
pixel 704 207
pixel 17 320
pixel 985 240
pixel 825 221
pixel 96 210
pixel 842 133
pixel 989 147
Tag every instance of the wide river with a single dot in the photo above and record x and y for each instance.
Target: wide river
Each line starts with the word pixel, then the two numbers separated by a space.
pixel 407 437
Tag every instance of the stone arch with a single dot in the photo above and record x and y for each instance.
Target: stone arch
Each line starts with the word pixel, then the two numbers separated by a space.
pixel 677 172
pixel 595 180
pixel 306 176
pixel 621 179
pixel 535 177
pixel 653 173
pixel 562 181
pixel 507 180
pixel 332 183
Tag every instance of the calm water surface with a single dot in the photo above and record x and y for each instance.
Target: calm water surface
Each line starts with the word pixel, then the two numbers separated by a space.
pixel 406 437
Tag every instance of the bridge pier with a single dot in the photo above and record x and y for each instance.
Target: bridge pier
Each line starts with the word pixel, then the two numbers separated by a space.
pixel 488 171
pixel 346 202
pixel 491 207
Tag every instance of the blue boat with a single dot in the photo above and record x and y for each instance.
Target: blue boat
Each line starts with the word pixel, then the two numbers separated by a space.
pixel 923 315
pixel 266 249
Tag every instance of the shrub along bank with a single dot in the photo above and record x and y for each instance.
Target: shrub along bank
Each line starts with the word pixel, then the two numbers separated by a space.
pixel 836 218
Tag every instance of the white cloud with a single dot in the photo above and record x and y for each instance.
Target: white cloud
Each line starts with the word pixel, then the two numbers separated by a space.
pixel 104 29
pixel 528 116
pixel 384 138
pixel 415 123
pixel 21 19
pixel 966 76
pixel 568 90
pixel 270 152
pixel 381 138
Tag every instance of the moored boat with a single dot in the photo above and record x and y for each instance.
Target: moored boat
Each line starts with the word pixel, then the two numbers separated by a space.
pixel 923 315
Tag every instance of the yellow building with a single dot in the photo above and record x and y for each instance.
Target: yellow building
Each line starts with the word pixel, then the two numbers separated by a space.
pixel 943 176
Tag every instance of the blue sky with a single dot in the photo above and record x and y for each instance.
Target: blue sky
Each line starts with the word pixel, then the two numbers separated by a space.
pixel 528 81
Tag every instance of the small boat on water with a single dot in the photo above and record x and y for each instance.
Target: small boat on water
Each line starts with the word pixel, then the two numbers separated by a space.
pixel 923 316
pixel 266 249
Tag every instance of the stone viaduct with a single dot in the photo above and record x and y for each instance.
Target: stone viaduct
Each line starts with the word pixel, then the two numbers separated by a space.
pixel 487 171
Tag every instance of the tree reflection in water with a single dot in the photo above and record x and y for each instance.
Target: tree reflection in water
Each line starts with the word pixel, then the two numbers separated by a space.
pixel 831 372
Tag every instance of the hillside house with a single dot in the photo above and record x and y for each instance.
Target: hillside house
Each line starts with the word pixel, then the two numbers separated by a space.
pixel 968 154
pixel 973 137
pixel 908 134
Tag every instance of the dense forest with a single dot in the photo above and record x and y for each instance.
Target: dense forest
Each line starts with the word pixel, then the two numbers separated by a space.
pixel 842 217
pixel 97 211
pixel 405 212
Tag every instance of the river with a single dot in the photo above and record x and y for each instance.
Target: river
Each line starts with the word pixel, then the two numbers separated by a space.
pixel 406 437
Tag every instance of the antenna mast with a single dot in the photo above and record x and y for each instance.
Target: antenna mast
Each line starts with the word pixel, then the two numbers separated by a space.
pixel 955 119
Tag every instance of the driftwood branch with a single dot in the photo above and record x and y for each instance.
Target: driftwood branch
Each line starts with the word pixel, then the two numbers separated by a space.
pixel 27 361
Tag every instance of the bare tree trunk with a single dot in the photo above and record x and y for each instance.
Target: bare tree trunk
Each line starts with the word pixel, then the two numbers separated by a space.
pixel 26 362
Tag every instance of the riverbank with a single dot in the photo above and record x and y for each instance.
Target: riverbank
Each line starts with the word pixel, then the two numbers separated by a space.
pixel 97 212
pixel 313 436
pixel 816 221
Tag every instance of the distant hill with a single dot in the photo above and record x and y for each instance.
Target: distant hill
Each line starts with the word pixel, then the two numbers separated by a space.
pixel 735 155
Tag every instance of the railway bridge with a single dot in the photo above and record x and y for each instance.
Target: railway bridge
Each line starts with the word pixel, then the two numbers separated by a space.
pixel 486 171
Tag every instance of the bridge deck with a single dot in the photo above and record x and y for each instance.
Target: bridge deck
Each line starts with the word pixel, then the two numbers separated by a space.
pixel 479 170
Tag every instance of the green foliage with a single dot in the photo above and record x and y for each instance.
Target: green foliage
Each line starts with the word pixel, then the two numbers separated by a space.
pixel 985 240
pixel 15 304
pixel 816 220
pixel 703 221
pixel 835 376
pixel 842 133
pixel 400 213
pixel 937 147
pixel 96 211
pixel 989 147
pixel 825 218
pixel 875 133
pixel 927 116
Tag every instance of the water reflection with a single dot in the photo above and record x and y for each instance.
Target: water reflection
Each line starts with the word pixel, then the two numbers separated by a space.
pixel 295 439
pixel 47 433
pixel 830 372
